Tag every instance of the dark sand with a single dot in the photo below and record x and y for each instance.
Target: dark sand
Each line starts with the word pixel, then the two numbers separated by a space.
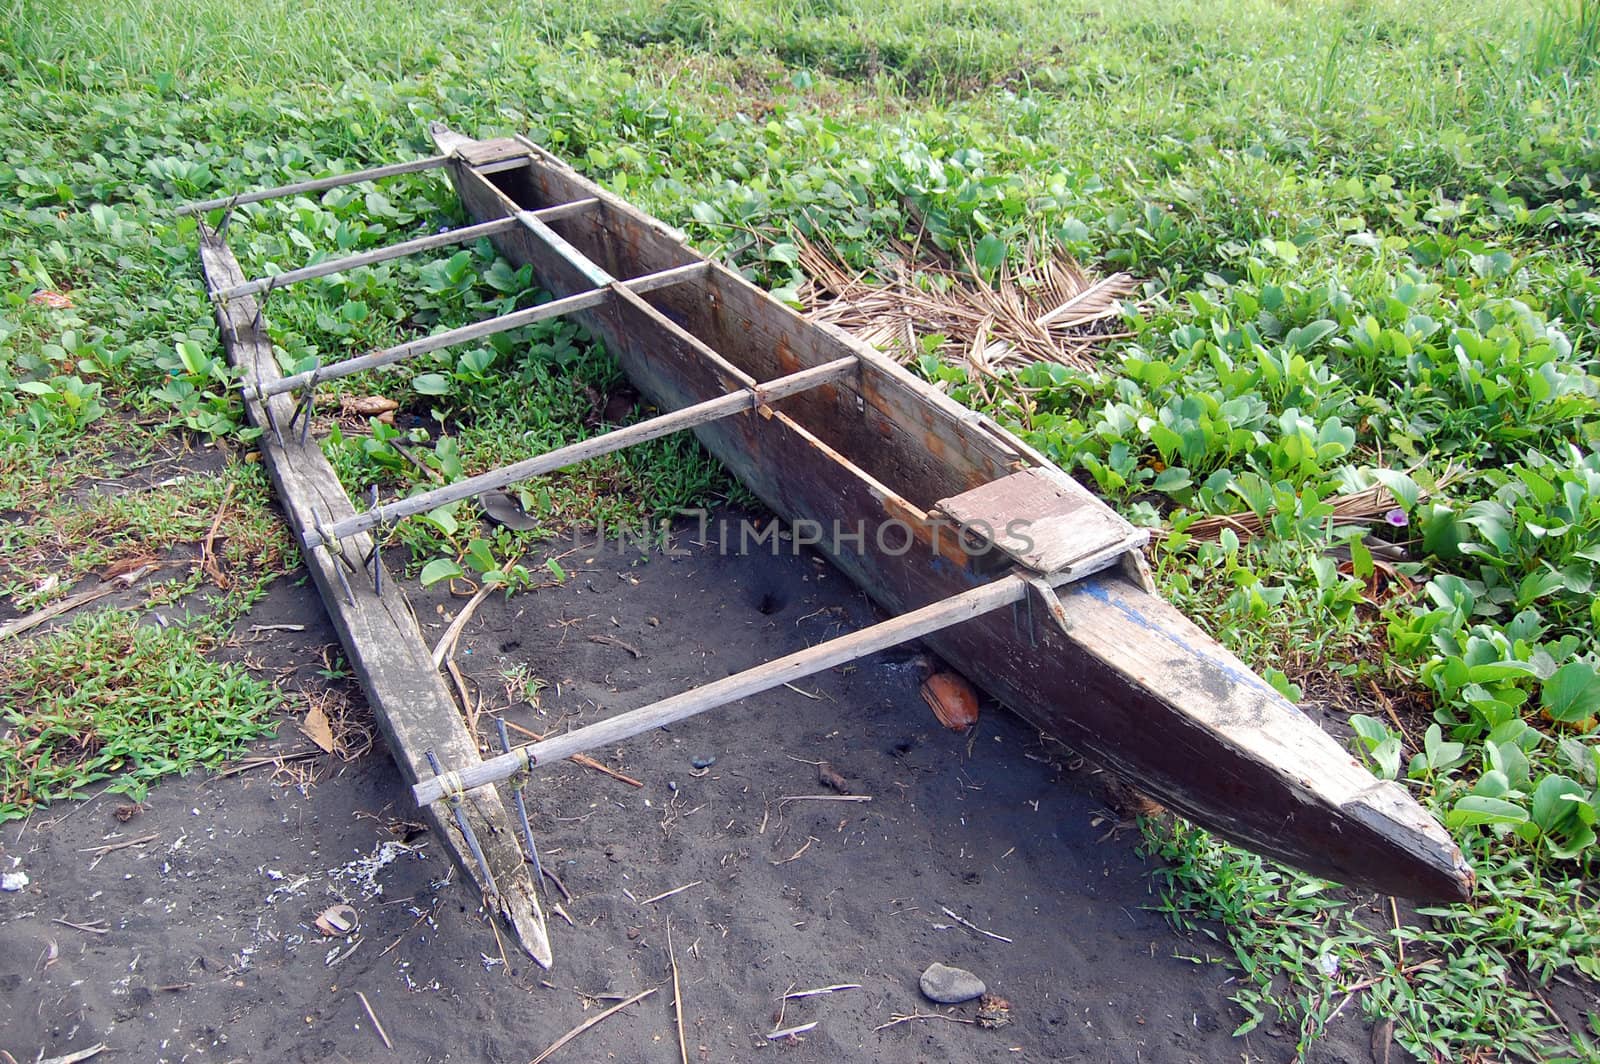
pixel 210 951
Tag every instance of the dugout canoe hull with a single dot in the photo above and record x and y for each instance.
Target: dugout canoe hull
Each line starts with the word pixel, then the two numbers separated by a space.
pixel 1127 679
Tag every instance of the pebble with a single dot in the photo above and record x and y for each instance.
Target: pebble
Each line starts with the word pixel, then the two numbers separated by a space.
pixel 704 761
pixel 950 986
pixel 13 881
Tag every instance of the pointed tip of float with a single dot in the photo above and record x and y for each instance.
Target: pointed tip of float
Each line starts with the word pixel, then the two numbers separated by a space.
pixel 525 916
pixel 1427 864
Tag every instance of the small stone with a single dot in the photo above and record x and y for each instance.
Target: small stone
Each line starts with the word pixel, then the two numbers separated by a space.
pixel 704 761
pixel 13 881
pixel 950 986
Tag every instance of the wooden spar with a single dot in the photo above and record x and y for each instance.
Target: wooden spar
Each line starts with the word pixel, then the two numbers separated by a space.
pixel 476 331
pixel 846 648
pixel 464 235
pixel 653 428
pixel 379 632
pixel 320 184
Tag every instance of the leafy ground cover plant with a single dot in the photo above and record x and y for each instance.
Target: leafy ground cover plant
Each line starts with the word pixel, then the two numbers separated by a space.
pixel 111 698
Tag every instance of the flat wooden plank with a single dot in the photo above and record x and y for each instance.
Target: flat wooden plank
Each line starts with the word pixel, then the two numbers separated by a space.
pixel 1040 518
pixel 379 632
pixel 481 153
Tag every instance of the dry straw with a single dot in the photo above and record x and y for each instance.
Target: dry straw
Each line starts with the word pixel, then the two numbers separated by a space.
pixel 1049 310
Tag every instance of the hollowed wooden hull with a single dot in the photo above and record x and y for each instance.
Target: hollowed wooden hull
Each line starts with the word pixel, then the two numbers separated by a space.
pixel 1130 680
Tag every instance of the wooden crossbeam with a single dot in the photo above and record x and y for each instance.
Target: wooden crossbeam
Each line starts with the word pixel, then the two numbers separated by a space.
pixel 320 184
pixel 913 625
pixel 476 331
pixel 650 429
pixel 464 235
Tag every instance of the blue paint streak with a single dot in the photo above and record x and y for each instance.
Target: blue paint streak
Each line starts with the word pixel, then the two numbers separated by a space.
pixel 1097 589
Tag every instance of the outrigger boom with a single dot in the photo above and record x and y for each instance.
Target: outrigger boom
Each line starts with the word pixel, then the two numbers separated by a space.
pixel 823 429
pixel 1005 591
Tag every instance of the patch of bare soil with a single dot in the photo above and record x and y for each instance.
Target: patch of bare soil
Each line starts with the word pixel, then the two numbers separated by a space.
pixel 189 932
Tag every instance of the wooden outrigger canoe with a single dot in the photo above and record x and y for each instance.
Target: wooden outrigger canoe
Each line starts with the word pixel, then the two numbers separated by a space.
pixel 936 512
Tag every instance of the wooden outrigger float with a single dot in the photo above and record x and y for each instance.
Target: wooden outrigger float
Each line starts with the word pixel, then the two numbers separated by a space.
pixel 936 512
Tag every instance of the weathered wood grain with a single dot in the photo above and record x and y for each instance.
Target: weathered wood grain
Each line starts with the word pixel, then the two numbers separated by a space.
pixel 379 632
pixel 1040 518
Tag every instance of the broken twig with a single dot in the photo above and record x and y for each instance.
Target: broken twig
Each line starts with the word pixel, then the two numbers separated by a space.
pixel 101 851
pixel 972 926
pixel 821 990
pixel 677 997
pixel 72 602
pixel 894 1020
pixel 447 642
pixel 670 893
pixel 590 1022
pixel 612 641
pixel 795 856
pixel 373 1016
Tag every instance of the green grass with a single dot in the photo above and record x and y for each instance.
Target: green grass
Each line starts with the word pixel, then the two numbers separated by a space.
pixel 1368 230
pixel 110 698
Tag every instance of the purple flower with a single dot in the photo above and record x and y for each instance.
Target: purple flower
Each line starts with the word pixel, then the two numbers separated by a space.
pixel 1397 518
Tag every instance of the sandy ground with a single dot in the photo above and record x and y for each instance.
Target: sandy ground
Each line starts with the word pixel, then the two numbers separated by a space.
pixel 196 937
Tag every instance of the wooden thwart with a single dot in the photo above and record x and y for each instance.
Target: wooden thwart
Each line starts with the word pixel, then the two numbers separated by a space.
pixel 914 625
pixel 1040 518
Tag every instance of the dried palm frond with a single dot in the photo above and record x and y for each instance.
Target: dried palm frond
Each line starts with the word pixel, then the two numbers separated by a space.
pixel 1356 507
pixel 1049 310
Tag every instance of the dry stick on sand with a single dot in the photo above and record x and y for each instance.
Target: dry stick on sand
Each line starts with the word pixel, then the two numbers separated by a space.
pixel 590 1022
pixel 972 926
pixel 669 893
pixel 373 1016
pixel 278 760
pixel 821 990
pixel 101 851
pixel 677 997
pixel 894 1020
pixel 795 856
pixel 447 642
